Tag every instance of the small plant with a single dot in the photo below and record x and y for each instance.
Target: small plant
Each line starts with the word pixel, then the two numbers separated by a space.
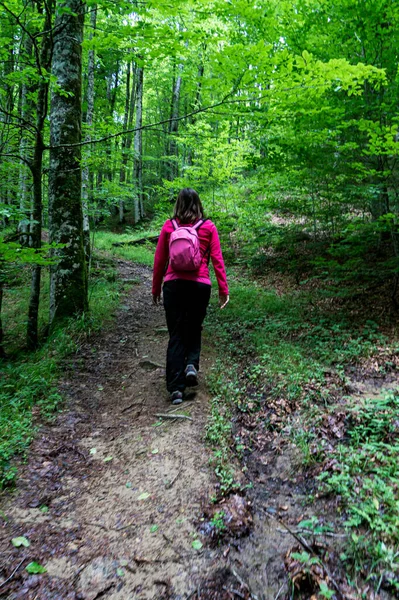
pixel 218 523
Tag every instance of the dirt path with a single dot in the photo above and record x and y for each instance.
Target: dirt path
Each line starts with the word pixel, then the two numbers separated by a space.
pixel 111 495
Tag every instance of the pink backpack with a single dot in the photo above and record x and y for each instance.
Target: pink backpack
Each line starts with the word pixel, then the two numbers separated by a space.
pixel 184 247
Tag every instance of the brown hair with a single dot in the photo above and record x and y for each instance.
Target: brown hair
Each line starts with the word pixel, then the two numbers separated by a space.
pixel 188 207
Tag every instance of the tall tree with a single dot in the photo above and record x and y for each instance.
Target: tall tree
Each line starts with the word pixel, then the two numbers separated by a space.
pixel 138 147
pixel 44 61
pixel 68 289
pixel 89 124
pixel 125 141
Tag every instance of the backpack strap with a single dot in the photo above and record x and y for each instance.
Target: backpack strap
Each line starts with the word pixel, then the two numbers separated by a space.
pixel 174 223
pixel 199 223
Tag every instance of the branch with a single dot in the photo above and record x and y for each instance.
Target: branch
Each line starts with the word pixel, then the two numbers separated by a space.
pixel 24 122
pixel 28 33
pixel 25 160
pixel 187 115
pixel 143 127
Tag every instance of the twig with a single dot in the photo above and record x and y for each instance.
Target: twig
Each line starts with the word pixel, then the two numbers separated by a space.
pixel 242 583
pixel 324 533
pixel 130 406
pixel 166 416
pixel 148 561
pixel 13 573
pixel 70 447
pixel 95 525
pixel 312 552
pixel 125 527
pixel 171 483
pixel 165 537
pixel 141 404
pixel 280 590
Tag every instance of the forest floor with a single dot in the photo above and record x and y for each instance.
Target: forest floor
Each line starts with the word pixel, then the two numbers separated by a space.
pixel 111 496
pixel 116 502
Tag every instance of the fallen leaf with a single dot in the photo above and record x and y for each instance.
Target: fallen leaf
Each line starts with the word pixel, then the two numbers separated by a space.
pixel 20 541
pixel 144 496
pixel 35 568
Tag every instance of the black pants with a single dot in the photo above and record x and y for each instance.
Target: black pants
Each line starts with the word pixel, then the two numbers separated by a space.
pixel 185 305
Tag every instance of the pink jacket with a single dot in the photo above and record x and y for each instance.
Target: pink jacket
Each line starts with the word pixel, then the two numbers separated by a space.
pixel 209 243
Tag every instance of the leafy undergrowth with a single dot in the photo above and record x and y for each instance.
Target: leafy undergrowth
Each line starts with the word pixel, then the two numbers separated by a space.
pixel 284 371
pixel 364 473
pixel 143 253
pixel 29 380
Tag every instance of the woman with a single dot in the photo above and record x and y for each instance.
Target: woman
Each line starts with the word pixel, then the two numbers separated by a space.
pixel 187 287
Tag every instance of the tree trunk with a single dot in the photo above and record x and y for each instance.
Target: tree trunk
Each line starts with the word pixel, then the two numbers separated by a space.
pixel 37 169
pixel 25 199
pixel 68 285
pixel 122 172
pixel 2 351
pixel 196 105
pixel 174 126
pixel 138 148
pixel 89 123
pixel 111 98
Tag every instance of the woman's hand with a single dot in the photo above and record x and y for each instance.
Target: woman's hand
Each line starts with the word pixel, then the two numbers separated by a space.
pixel 156 299
pixel 223 300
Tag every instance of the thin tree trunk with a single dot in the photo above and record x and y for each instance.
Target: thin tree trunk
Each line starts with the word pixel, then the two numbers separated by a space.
pixel 37 169
pixel 26 113
pixel 138 147
pixel 129 137
pixel 2 351
pixel 68 284
pixel 122 172
pixel 89 123
pixel 174 126
pixel 111 98
pixel 196 105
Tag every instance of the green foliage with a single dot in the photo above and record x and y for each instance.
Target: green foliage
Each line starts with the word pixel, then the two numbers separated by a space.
pixel 34 568
pixel 286 342
pixel 223 387
pixel 365 476
pixel 141 253
pixel 217 521
pixel 29 380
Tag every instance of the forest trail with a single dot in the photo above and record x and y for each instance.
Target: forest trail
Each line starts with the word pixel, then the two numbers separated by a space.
pixel 110 496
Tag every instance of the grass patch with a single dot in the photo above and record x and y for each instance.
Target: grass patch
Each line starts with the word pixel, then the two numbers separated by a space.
pixel 29 380
pixel 144 254
pixel 223 388
pixel 15 307
pixel 286 341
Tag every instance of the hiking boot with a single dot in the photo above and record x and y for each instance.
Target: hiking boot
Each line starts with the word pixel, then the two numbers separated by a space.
pixel 176 397
pixel 191 376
